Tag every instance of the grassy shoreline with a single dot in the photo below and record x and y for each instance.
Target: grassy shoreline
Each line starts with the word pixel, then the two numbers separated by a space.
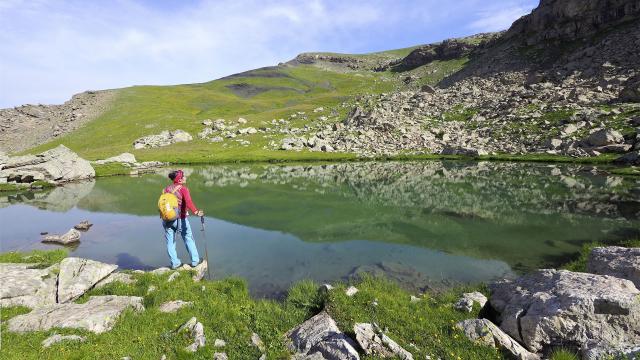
pixel 425 327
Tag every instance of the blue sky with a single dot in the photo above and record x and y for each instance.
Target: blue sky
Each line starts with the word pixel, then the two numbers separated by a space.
pixel 53 49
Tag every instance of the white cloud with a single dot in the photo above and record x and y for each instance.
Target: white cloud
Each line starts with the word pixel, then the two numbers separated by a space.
pixel 498 19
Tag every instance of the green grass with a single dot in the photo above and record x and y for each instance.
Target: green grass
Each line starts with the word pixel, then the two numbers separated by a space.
pixel 111 169
pixel 46 257
pixel 564 354
pixel 11 187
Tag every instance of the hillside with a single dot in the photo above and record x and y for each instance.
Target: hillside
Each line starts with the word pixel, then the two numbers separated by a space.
pixel 563 80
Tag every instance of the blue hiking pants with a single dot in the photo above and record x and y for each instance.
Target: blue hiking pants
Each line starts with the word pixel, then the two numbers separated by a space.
pixel 170 230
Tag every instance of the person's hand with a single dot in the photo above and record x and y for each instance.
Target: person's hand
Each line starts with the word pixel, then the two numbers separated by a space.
pixel 200 213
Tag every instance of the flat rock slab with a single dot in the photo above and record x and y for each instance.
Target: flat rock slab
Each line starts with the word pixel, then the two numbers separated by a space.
pixel 483 331
pixel 56 338
pixel 173 306
pixel 320 338
pixel 79 275
pixel 555 307
pixel 98 315
pixel 616 261
pixel 25 285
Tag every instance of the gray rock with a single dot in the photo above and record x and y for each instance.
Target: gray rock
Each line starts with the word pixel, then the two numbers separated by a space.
pixel 219 343
pixel 632 158
pixel 604 137
pixel 463 151
pixel 200 270
pixel 97 315
pixel 115 277
pixel 56 338
pixel 257 342
pixel 173 276
pixel 160 270
pixel 57 165
pixel 79 275
pixel 596 351
pixel 320 337
pixel 126 158
pixel 465 303
pixel 173 306
pixel 70 237
pixel 195 332
pixel 163 139
pixel 483 331
pixel 220 356
pixel 616 261
pixel 550 307
pixel 24 285
pixel 375 343
pixel 351 290
pixel 83 225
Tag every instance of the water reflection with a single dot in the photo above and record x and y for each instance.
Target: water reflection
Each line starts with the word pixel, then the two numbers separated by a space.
pixel 421 223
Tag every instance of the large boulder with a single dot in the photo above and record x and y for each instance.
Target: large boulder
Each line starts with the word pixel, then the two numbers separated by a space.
pixel 616 261
pixel 163 139
pixel 483 331
pixel 550 308
pixel 79 275
pixel 27 285
pixel 55 166
pixel 320 338
pixel 604 137
pixel 97 315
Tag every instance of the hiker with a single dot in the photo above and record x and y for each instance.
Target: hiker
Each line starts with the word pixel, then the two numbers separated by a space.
pixel 180 190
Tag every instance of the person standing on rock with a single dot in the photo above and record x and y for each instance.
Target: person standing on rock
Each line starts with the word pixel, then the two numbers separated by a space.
pixel 180 190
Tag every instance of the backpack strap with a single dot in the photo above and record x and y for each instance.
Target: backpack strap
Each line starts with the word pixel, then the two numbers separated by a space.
pixel 175 189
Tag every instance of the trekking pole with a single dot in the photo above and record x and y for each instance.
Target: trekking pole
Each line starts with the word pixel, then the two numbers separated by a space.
pixel 206 251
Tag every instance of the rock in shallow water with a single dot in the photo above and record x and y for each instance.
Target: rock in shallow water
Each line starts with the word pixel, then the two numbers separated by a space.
pixel 70 237
pixel 98 315
pixel 549 308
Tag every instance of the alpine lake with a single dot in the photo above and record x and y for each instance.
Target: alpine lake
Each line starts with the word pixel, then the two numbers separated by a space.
pixel 425 224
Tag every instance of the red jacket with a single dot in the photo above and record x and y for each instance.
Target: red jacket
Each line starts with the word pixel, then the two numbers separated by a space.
pixel 184 199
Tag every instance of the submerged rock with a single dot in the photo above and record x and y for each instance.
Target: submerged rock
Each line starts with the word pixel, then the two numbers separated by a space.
pixel 320 338
pixel 70 237
pixel 83 225
pixel 484 332
pixel 79 275
pixel 97 315
pixel 616 261
pixel 26 285
pixel 552 307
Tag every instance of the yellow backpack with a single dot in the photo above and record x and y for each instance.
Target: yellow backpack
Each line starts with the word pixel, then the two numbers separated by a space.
pixel 168 205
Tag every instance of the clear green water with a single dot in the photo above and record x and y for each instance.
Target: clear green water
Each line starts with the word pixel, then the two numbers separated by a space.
pixel 426 224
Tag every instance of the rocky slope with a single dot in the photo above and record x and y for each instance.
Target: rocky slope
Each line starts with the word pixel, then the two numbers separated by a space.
pixel 26 126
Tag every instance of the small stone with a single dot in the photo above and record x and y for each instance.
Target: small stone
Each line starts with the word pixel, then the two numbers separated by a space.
pixel 220 356
pixel 257 342
pixel 466 301
pixel 151 289
pixel 218 343
pixel 351 290
pixel 414 299
pixel 84 225
pixel 173 276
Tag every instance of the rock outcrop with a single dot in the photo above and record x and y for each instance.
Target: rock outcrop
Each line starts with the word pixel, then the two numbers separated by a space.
pixel 550 308
pixel 57 165
pixel 320 338
pixel 375 343
pixel 163 139
pixel 97 315
pixel 466 301
pixel 616 261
